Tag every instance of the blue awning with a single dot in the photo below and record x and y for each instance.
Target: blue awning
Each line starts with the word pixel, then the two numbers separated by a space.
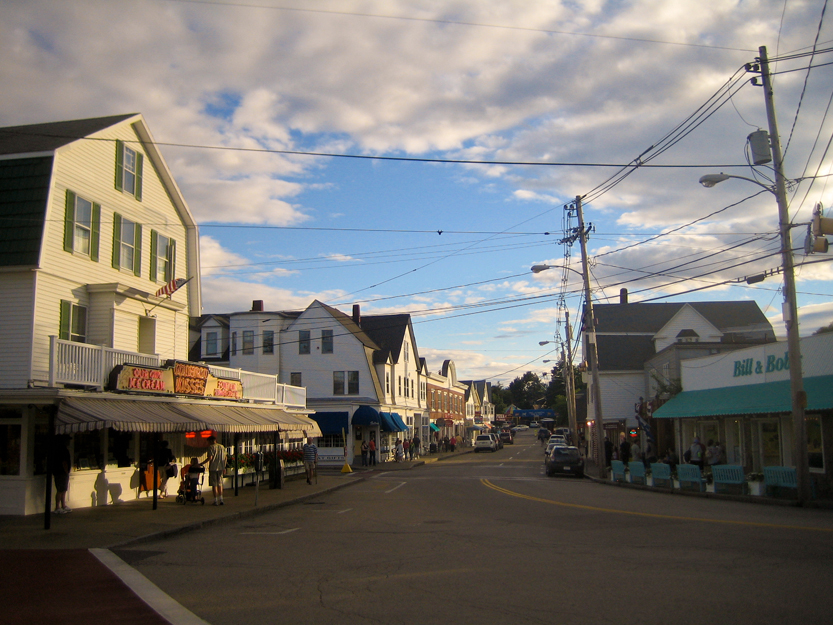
pixel 399 422
pixel 366 415
pixel 331 422
pixel 766 398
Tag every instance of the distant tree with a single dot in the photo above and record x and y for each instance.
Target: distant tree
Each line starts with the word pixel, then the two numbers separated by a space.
pixel 527 390
pixel 500 398
pixel 825 329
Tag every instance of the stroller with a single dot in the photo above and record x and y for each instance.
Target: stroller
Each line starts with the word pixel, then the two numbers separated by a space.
pixel 190 485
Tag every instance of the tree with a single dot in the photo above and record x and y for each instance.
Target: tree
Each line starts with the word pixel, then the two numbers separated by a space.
pixel 500 398
pixel 825 329
pixel 527 390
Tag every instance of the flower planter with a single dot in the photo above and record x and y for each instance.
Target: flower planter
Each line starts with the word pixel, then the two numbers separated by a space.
pixel 755 488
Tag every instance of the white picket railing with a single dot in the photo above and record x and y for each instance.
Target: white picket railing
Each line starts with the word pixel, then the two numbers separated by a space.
pixel 90 365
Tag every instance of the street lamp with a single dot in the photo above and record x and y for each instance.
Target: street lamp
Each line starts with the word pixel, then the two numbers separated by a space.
pixel 790 313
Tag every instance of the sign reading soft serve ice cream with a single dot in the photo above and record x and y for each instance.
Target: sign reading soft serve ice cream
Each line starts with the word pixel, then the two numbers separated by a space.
pixel 176 378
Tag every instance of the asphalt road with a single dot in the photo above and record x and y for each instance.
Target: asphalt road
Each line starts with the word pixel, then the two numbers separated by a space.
pixel 487 538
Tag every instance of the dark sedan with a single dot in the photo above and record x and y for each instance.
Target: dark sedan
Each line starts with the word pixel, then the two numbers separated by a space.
pixel 507 437
pixel 563 459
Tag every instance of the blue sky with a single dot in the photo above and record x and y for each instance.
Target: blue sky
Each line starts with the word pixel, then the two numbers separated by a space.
pixel 578 85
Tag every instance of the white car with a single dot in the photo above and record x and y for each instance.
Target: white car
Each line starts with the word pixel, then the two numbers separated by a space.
pixel 520 428
pixel 534 424
pixel 557 438
pixel 552 444
pixel 485 442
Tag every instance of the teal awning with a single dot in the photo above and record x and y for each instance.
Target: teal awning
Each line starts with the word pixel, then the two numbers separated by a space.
pixel 399 422
pixel 768 398
pixel 434 427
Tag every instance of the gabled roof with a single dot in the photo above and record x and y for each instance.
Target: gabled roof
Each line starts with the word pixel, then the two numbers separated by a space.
pixel 388 332
pixel 48 137
pixel 727 317
pixel 349 325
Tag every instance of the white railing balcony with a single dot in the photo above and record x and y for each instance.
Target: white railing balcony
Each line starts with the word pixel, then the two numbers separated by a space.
pixel 82 364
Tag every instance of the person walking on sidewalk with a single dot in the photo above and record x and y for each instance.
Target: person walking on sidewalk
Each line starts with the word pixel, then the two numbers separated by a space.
pixel 310 459
pixel 216 469
pixel 365 449
pixel 415 447
pixel 371 449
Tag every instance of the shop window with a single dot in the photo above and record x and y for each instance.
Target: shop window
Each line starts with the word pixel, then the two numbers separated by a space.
pixel 119 448
pixel 87 450
pixel 331 440
pixel 770 444
pixel 10 449
pixel 41 446
pixel 815 448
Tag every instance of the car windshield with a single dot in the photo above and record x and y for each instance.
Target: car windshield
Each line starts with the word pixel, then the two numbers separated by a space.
pixel 565 453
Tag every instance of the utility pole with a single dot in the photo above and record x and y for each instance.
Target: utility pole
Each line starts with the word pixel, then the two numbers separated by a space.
pixel 790 306
pixel 569 381
pixel 590 344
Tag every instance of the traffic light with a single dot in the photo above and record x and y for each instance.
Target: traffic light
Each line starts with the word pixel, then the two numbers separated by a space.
pixel 820 226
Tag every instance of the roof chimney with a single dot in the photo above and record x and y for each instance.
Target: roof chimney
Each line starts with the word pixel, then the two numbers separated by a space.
pixel 623 296
pixel 357 314
pixel 257 305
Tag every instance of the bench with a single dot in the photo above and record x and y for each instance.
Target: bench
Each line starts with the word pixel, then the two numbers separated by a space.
pixel 637 470
pixel 617 468
pixel 690 477
pixel 778 478
pixel 728 475
pixel 661 474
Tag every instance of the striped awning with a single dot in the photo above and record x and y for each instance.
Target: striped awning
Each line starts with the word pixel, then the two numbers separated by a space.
pixel 142 415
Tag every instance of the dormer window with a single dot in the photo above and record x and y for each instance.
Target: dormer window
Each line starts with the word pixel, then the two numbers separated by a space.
pixel 688 336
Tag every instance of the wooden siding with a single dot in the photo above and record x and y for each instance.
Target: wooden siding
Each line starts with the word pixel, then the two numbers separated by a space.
pixel 620 391
pixel 686 319
pixel 16 309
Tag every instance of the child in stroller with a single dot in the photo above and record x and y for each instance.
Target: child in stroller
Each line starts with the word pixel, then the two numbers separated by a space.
pixel 191 479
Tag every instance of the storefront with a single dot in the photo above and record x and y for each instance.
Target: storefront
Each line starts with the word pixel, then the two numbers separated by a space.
pixel 743 400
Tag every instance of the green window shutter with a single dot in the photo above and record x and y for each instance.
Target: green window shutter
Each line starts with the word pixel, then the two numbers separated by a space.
pixel 69 222
pixel 171 261
pixel 95 235
pixel 138 188
pixel 137 254
pixel 63 323
pixel 116 240
pixel 119 165
pixel 154 240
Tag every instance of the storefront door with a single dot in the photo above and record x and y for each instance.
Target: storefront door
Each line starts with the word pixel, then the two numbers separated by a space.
pixel 770 443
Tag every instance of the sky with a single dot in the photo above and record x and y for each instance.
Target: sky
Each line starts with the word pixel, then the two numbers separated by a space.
pixel 417 156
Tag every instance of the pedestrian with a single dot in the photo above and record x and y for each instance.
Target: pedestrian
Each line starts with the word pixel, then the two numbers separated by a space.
pixel 406 449
pixel 452 443
pixel 371 450
pixel 365 449
pixel 713 453
pixel 415 446
pixel 216 469
pixel 411 449
pixel 310 459
pixel 165 467
pixel 608 451
pixel 697 452
pixel 399 451
pixel 636 452
pixel 650 455
pixel 445 443
pixel 624 448
pixel 671 458
pixel 61 467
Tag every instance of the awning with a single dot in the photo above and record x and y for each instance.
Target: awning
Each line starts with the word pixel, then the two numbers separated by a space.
pixel 768 398
pixel 331 422
pixel 399 422
pixel 133 415
pixel 434 428
pixel 366 415
pixel 388 424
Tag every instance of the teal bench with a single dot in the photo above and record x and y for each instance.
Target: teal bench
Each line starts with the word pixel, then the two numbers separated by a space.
pixel 727 476
pixel 637 470
pixel 617 468
pixel 690 477
pixel 661 474
pixel 778 478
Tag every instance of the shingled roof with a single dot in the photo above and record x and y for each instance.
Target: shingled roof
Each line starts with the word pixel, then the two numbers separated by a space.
pixel 645 318
pixel 48 137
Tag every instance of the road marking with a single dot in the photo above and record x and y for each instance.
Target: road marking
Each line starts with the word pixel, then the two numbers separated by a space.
pixel 294 529
pixel 505 491
pixel 401 484
pixel 343 511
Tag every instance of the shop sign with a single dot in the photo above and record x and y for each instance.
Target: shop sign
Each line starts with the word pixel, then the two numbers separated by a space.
pixel 176 378
pixel 750 366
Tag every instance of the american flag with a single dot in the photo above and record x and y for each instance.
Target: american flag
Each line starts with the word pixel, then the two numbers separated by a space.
pixel 172 286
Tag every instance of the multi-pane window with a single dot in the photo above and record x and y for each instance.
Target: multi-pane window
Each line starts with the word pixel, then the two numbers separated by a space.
pixel 73 322
pixel 345 382
pixel 412 389
pixel 303 341
pixel 162 257
pixel 406 351
pixel 129 170
pixel 211 343
pixel 406 387
pixel 268 342
pixel 248 342
pixel 326 341
pixel 295 378
pixel 399 381
pixel 387 383
pixel 81 225
pixel 127 244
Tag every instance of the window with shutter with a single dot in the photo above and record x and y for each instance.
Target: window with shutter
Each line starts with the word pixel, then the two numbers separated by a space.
pixel 81 225
pixel 129 165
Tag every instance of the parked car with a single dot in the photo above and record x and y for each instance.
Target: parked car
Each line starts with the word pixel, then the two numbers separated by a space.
pixel 507 437
pixel 520 428
pixel 498 442
pixel 484 442
pixel 551 445
pixel 564 459
pixel 534 424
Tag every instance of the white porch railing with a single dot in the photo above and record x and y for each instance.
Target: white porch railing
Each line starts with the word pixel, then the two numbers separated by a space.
pixel 90 365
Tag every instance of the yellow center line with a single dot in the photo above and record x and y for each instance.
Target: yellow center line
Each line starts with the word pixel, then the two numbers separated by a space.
pixel 511 493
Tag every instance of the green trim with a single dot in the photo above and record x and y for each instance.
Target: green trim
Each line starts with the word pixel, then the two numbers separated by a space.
pixel 119 165
pixel 154 243
pixel 137 250
pixel 69 222
pixel 138 187
pixel 64 320
pixel 95 233
pixel 116 241
pixel 171 260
